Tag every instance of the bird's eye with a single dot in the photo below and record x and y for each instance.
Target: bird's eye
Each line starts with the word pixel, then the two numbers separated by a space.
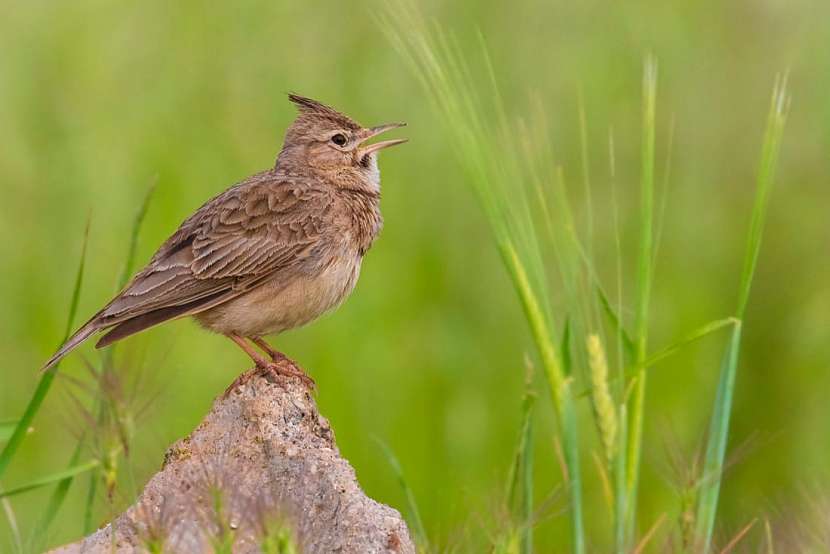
pixel 339 139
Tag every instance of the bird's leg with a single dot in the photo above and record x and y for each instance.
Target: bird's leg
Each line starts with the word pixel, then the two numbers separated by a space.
pixel 265 366
pixel 276 355
pixel 258 359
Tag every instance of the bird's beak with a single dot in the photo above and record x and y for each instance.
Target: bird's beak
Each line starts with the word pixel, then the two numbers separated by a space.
pixel 375 131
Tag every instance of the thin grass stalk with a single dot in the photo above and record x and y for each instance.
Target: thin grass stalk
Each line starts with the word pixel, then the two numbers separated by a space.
pixel 776 121
pixel 527 485
pixel 89 503
pixel 586 174
pixel 109 352
pixel 693 336
pixel 520 481
pixel 129 262
pixel 561 391
pixel 20 430
pixel 668 351
pixel 719 426
pixel 50 479
pixel 56 500
pixel 499 179
pixel 8 511
pixel 570 439
pixel 621 496
pixel 520 477
pixel 716 445
pixel 412 506
pixel 538 327
pixel 644 278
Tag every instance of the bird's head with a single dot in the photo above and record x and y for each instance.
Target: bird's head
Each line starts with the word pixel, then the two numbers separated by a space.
pixel 329 142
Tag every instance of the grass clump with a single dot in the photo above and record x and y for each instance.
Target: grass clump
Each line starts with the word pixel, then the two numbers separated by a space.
pixel 525 198
pixel 109 433
pixel 494 167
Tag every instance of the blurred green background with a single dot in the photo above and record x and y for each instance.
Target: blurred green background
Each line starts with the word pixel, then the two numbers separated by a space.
pixel 98 100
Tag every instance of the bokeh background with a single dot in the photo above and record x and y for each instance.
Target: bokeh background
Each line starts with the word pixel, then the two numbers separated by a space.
pixel 99 100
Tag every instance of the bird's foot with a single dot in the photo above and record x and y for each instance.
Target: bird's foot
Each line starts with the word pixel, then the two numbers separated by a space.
pixel 279 367
pixel 284 367
pixel 275 372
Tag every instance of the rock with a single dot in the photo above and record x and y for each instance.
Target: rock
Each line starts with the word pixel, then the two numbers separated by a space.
pixel 263 463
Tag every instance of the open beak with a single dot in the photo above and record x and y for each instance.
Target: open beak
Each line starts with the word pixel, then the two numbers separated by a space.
pixel 375 131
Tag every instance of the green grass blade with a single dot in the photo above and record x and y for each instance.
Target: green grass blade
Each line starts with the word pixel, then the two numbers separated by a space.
pixel 411 504
pixel 668 351
pixel 716 445
pixel 644 278
pixel 560 391
pixel 570 442
pixel 527 489
pixel 129 264
pixel 56 500
pixel 535 315
pixel 47 377
pixel 697 334
pixel 719 426
pixel 50 479
pixel 11 519
pixel 619 329
pixel 620 487
pixel 586 174
pixel 107 357
pixel 766 175
pixel 520 478
pixel 89 503
pixel 565 347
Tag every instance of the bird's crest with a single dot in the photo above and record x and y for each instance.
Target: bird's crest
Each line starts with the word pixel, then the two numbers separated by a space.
pixel 317 110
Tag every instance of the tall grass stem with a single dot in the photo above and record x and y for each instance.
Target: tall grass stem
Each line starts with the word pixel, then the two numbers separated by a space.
pixel 47 377
pixel 721 412
pixel 644 279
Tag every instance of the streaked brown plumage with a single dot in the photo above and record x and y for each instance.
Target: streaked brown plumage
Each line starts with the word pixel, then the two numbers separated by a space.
pixel 269 254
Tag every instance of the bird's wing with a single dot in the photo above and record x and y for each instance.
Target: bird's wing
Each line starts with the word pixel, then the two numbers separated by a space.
pixel 265 227
pixel 247 234
pixel 262 228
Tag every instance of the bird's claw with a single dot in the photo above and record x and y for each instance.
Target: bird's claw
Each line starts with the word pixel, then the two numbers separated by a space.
pixel 275 373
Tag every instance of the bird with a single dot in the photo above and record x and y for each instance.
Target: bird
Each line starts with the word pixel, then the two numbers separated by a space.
pixel 271 253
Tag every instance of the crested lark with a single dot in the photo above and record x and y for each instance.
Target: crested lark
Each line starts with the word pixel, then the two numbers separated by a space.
pixel 269 254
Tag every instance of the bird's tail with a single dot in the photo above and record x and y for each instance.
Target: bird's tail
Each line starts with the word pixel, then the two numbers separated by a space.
pixel 80 336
